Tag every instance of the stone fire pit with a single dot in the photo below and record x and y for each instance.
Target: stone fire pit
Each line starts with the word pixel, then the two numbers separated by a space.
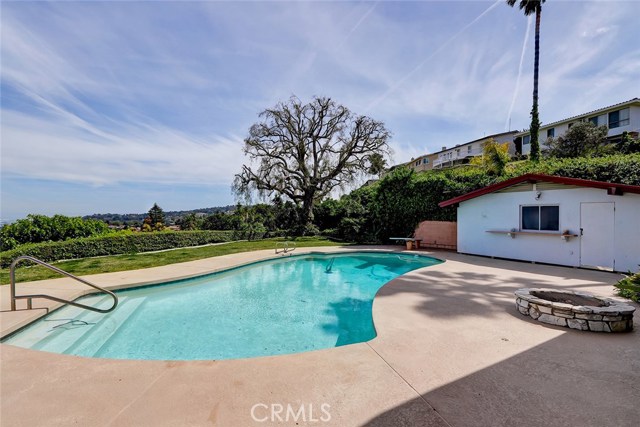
pixel 575 310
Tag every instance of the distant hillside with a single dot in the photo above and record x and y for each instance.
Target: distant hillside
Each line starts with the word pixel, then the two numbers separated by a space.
pixel 170 216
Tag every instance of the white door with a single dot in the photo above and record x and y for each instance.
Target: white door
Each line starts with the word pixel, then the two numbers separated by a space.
pixel 597 227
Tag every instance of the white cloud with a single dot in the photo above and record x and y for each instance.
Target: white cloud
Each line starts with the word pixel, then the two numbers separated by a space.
pixel 45 149
pixel 595 32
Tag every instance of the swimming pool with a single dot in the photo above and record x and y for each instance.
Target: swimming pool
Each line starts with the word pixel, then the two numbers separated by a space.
pixel 289 305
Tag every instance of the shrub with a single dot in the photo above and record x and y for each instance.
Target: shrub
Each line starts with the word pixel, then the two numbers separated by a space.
pixel 399 201
pixel 629 287
pixel 355 218
pixel 620 168
pixel 327 214
pixel 495 157
pixel 404 198
pixel 41 228
pixel 629 144
pixel 581 140
pixel 253 230
pixel 116 244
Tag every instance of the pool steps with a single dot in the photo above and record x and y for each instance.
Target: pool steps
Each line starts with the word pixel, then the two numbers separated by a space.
pixel 77 339
pixel 90 344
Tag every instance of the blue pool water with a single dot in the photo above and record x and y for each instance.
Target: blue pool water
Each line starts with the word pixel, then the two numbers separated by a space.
pixel 288 305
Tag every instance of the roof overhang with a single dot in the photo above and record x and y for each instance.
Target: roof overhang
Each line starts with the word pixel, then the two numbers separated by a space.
pixel 610 187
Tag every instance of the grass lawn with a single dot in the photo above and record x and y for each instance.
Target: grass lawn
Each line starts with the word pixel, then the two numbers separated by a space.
pixel 29 272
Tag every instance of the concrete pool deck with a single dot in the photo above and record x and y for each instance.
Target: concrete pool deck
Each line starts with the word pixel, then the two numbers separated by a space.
pixel 451 350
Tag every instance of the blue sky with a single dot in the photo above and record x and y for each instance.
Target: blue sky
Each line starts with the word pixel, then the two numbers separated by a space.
pixel 112 106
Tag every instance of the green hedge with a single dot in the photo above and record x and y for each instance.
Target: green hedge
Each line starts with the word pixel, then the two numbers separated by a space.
pixel 41 228
pixel 619 168
pixel 117 244
pixel 403 198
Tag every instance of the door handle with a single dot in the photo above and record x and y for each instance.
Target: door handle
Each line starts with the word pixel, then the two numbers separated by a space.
pixel 581 232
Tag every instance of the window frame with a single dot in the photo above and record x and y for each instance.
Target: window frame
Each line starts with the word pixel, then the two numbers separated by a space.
pixel 551 133
pixel 539 230
pixel 526 138
pixel 620 122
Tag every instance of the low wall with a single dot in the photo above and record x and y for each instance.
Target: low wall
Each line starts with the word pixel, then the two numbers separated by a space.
pixel 437 234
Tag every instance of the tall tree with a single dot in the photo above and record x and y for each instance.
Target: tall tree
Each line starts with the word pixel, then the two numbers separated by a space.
pixel 156 215
pixel 583 139
pixel 529 7
pixel 304 151
pixel 190 222
pixel 377 164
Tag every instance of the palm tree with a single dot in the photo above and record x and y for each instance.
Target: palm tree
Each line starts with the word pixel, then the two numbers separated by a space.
pixel 529 7
pixel 495 157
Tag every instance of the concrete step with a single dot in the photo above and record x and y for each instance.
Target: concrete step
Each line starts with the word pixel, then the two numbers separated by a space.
pixel 90 343
pixel 42 333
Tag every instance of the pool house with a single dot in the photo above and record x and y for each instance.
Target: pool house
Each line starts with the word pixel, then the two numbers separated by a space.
pixel 551 219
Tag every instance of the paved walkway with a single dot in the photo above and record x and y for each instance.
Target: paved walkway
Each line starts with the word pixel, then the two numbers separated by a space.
pixel 451 350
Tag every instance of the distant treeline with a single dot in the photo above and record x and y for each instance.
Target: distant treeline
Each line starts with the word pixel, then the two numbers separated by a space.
pixel 171 217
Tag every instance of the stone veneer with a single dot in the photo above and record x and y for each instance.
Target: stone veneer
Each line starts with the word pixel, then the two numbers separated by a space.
pixel 613 316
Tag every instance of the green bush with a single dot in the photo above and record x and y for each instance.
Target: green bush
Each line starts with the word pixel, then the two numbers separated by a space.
pixel 404 198
pixel 620 168
pixel 398 202
pixel 629 287
pixel 354 218
pixel 41 228
pixel 326 215
pixel 122 243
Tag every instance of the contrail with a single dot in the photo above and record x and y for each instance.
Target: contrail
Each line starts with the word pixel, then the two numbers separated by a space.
pixel 355 27
pixel 515 91
pixel 304 67
pixel 400 82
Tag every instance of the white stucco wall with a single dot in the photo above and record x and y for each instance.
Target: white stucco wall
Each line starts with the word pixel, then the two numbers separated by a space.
pixel 501 211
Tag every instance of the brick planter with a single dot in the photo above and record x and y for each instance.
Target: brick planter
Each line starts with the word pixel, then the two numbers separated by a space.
pixel 575 310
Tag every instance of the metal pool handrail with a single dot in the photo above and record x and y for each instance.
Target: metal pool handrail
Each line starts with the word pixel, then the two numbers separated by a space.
pixel 286 246
pixel 15 297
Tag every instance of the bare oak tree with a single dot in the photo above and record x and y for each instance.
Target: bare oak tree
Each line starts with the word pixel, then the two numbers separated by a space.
pixel 304 151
